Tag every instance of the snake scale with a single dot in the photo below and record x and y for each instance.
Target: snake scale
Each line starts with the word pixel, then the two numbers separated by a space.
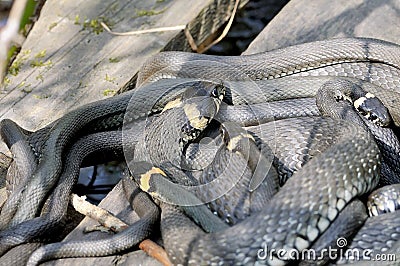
pixel 352 162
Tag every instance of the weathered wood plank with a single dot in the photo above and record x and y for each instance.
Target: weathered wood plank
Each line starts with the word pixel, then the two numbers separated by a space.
pixel 203 29
pixel 305 21
pixel 64 63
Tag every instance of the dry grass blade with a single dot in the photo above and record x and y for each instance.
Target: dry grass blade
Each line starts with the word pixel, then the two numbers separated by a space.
pixel 138 32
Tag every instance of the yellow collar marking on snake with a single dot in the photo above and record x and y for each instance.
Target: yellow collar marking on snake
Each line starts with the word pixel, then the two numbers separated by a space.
pixel 145 178
pixel 195 118
pixel 345 97
pixel 172 104
pixel 361 100
pixel 233 142
pixel 369 95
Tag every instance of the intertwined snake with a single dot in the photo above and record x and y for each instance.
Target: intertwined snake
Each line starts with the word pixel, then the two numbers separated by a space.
pixel 323 187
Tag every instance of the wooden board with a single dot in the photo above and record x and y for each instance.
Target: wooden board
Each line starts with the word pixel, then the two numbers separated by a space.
pixel 303 21
pixel 68 61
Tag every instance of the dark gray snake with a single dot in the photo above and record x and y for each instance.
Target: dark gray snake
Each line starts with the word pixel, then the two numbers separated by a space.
pixel 300 220
pixel 215 248
pixel 340 57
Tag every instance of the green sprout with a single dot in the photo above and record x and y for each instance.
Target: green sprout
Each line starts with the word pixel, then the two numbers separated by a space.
pixel 40 63
pixel 52 25
pixel 109 92
pixel 94 25
pixel 41 54
pixel 151 12
pixel 25 87
pixel 114 59
pixel 109 78
pixel 77 20
pixel 40 77
pixel 6 81
pixel 16 65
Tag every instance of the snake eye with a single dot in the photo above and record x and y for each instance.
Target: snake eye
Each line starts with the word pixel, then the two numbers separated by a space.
pixel 338 96
pixel 362 112
pixel 215 92
pixel 218 91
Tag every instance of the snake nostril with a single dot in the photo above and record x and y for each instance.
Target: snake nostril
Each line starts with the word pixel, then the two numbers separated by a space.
pixel 362 112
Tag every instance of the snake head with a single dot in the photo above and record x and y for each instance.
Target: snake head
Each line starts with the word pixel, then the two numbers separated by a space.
pixel 373 109
pixel 205 88
pixel 218 92
pixel 200 104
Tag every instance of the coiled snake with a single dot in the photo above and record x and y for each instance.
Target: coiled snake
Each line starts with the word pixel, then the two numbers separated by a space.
pixel 324 186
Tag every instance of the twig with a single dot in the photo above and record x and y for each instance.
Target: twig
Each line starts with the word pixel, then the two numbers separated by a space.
pixel 104 217
pixel 138 32
pixel 108 220
pixel 155 251
pixel 9 32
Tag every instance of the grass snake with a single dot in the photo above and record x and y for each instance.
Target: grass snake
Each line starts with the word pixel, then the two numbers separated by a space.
pixel 343 57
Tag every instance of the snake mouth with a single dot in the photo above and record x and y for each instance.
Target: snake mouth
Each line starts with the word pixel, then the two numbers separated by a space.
pixel 373 109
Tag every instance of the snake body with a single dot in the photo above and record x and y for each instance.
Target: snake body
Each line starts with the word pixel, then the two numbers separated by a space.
pixel 385 226
pixel 135 233
pixel 307 219
pixel 39 226
pixel 214 247
pixel 62 131
pixel 273 64
pixel 349 221
pixel 24 164
pixel 384 200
